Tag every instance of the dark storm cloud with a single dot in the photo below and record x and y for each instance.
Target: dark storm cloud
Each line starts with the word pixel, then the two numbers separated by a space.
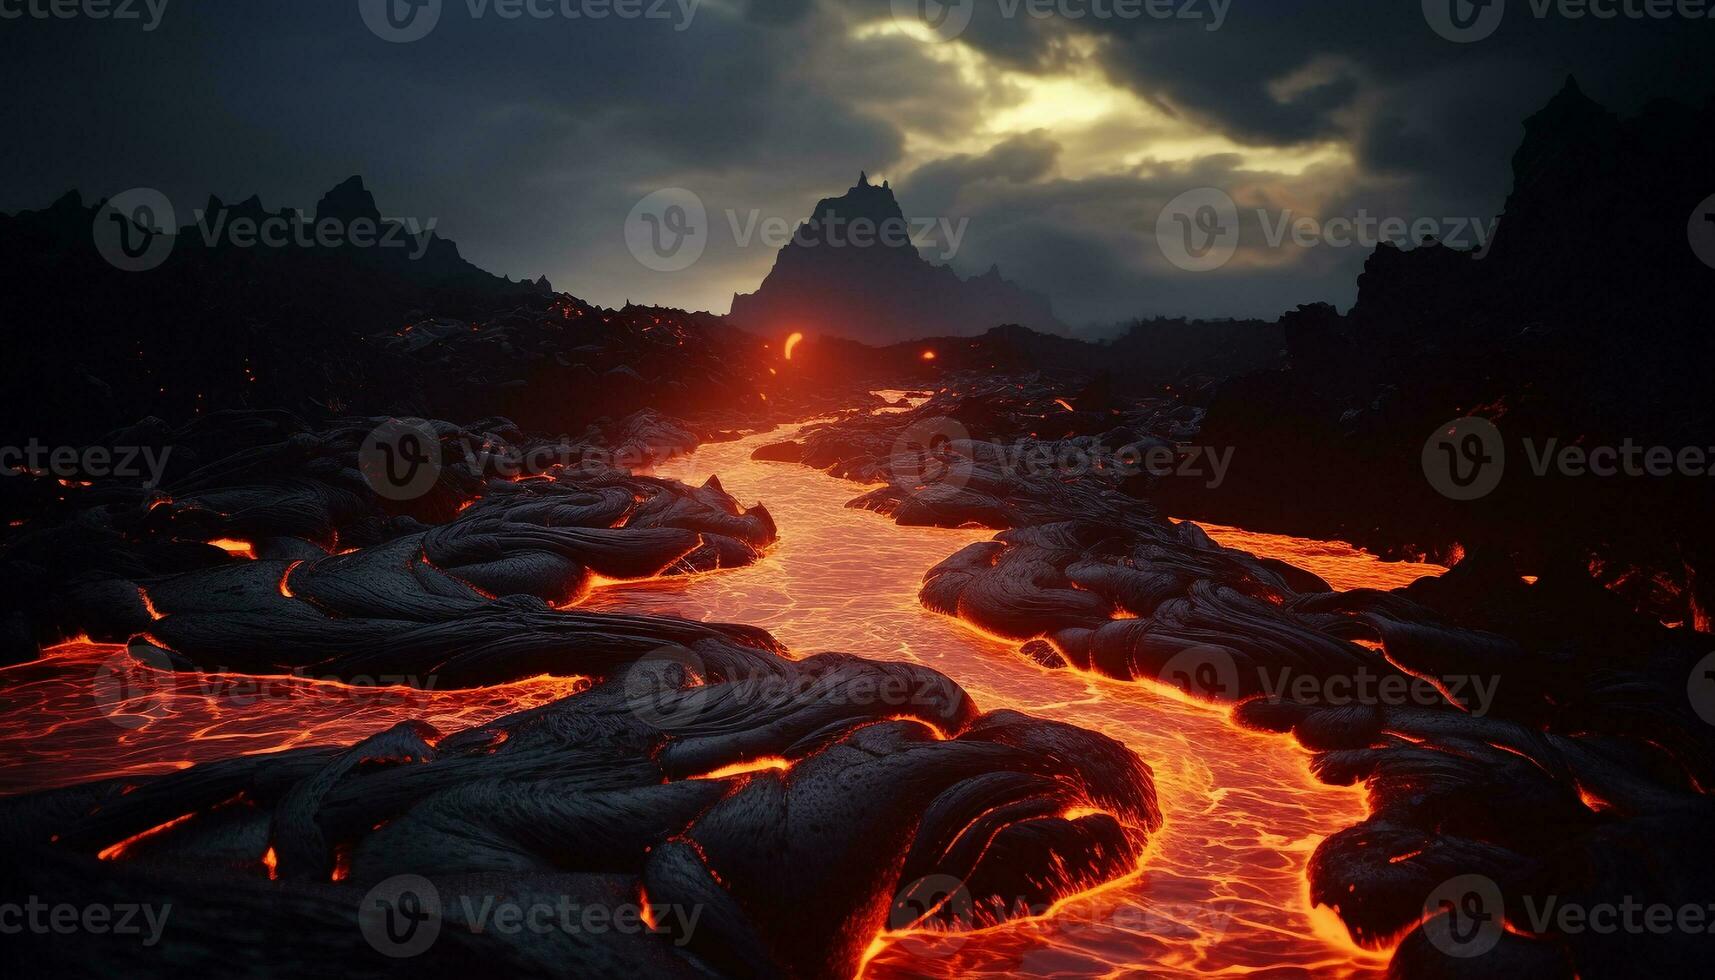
pixel 1411 99
pixel 530 139
pixel 1431 125
pixel 1090 243
pixel 935 187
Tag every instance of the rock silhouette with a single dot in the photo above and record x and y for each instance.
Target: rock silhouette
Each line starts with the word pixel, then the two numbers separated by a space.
pixel 1533 733
pixel 852 270
pixel 1584 325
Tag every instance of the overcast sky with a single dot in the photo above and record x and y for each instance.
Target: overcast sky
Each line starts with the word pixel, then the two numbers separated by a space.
pixel 1053 142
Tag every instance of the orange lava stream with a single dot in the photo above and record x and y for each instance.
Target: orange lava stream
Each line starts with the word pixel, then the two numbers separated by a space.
pixel 90 711
pixel 1222 889
pixel 1339 564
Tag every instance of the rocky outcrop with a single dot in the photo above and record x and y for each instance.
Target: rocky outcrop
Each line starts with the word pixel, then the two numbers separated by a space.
pixel 852 270
pixel 1519 743
pixel 753 814
pixel 1583 325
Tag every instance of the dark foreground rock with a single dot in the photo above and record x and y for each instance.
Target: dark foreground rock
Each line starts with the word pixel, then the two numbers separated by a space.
pixel 1525 746
pixel 715 806
pixel 637 798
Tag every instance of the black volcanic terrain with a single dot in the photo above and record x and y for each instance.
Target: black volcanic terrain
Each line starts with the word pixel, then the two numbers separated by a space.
pixel 379 466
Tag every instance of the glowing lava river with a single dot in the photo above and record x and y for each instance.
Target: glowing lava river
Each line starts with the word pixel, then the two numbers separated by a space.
pixel 1221 888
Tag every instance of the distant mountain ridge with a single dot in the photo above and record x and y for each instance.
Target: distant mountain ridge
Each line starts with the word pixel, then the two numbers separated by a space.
pixel 879 290
pixel 1586 324
pixel 246 308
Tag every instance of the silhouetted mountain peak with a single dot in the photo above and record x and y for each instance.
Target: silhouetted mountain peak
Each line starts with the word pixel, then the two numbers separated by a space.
pixel 853 270
pixel 871 202
pixel 1593 228
pixel 250 208
pixel 1570 107
pixel 69 204
pixel 348 201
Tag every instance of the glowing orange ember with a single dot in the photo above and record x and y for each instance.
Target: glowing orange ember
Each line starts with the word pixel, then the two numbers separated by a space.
pixel 928 355
pixel 234 546
pixel 746 767
pixel 92 711
pixel 1222 888
pixel 1339 564
pixel 792 342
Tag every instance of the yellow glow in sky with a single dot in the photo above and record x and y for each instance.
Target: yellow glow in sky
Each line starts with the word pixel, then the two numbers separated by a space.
pixel 1103 128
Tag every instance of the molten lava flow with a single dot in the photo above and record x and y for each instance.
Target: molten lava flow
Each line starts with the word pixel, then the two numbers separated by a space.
pixel 234 546
pixel 1338 563
pixel 1222 888
pixel 764 764
pixel 92 711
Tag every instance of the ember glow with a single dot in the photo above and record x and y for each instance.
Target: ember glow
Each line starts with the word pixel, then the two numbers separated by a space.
pixel 792 343
pixel 1339 564
pixel 1222 887
pixel 235 547
pixel 93 711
